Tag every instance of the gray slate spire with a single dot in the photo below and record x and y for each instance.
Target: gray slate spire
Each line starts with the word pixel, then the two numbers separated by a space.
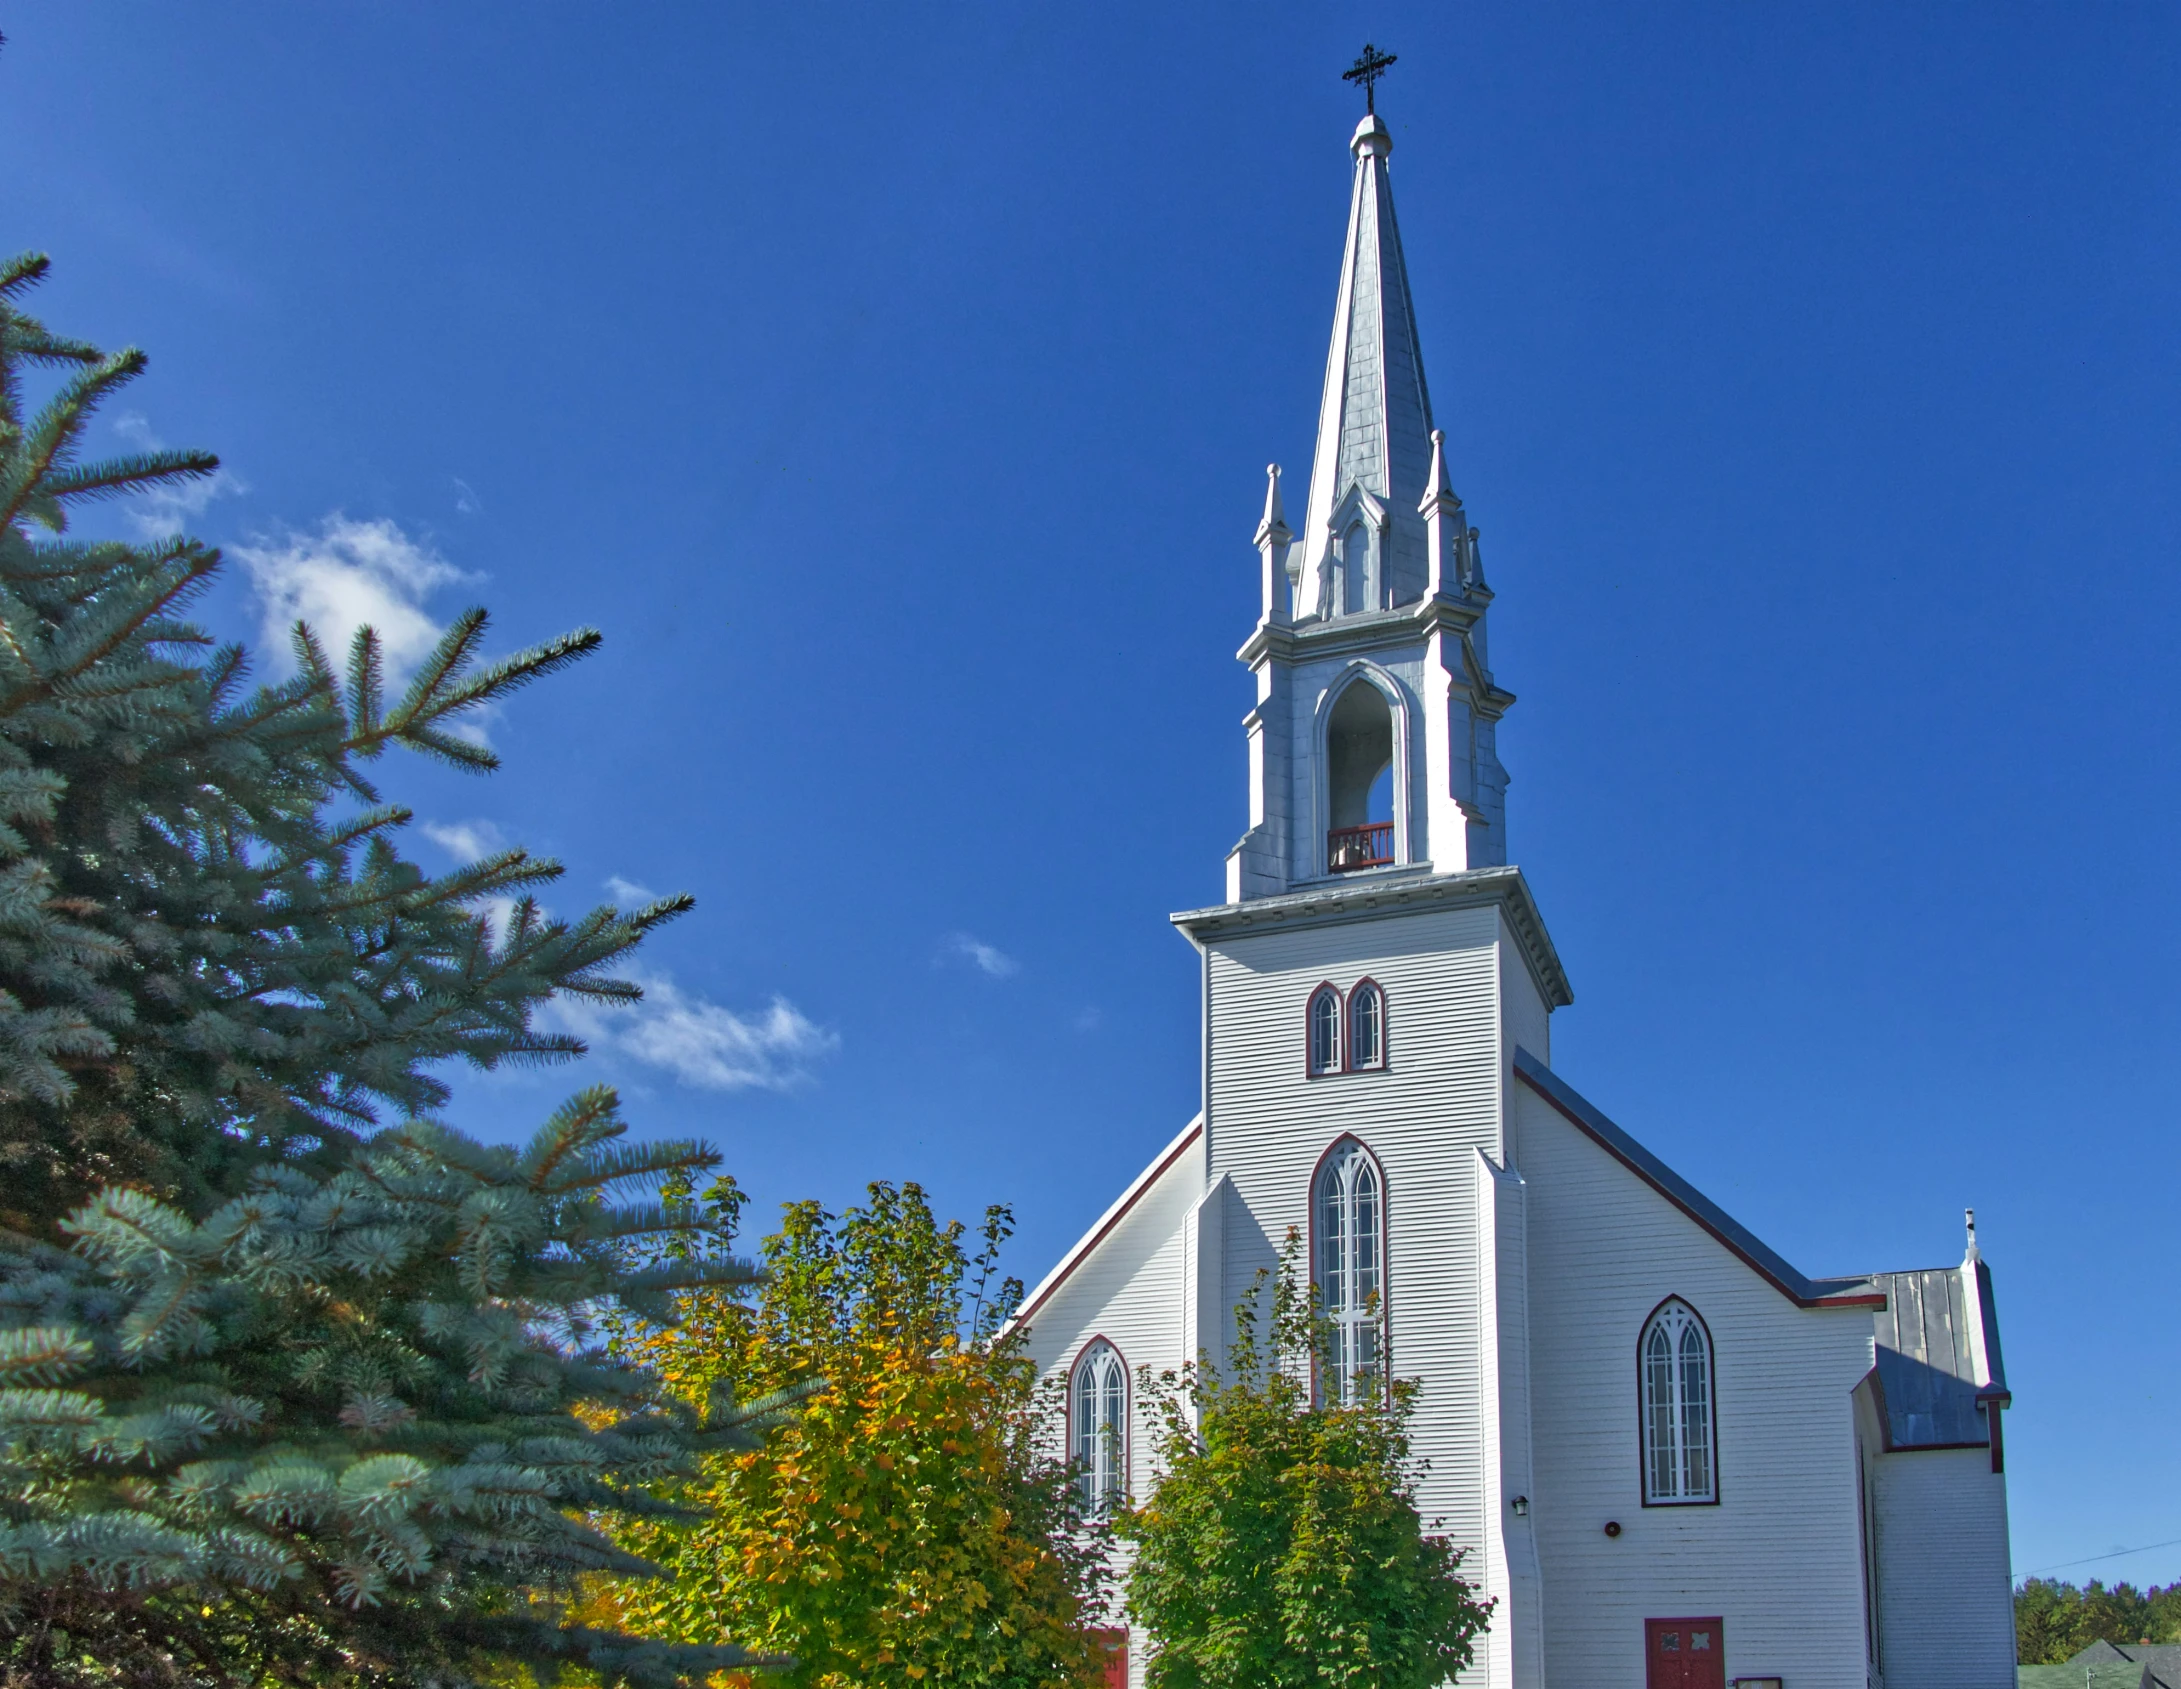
pixel 1374 422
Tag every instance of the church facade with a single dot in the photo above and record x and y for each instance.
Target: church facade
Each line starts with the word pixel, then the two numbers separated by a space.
pixel 1672 1458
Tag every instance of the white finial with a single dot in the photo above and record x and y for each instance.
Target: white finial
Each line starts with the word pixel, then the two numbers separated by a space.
pixel 1274 525
pixel 1440 485
pixel 1274 541
pixel 1970 1216
pixel 1371 136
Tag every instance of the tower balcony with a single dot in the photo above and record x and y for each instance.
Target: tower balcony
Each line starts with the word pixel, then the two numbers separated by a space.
pixel 1368 846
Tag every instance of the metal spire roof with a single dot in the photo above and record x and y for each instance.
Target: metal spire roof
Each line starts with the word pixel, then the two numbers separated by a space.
pixel 1374 422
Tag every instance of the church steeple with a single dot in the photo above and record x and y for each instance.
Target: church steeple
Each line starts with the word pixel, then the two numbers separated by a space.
pixel 1372 745
pixel 1373 460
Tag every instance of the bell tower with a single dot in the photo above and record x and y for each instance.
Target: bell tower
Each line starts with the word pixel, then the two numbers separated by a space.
pixel 1371 744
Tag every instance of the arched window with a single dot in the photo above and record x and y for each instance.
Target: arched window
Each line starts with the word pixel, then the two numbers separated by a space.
pixel 1324 1031
pixel 1099 1410
pixel 1359 787
pixel 1366 1026
pixel 1680 1438
pixel 1350 1227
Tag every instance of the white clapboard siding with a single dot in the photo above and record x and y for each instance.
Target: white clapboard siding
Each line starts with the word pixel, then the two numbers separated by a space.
pixel 1778 1559
pixel 1945 1585
pixel 1124 1282
pixel 1425 1118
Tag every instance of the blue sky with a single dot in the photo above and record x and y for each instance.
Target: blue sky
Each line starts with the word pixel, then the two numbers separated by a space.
pixel 893 386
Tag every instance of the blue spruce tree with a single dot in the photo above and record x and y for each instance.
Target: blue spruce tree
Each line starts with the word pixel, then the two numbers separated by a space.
pixel 296 1385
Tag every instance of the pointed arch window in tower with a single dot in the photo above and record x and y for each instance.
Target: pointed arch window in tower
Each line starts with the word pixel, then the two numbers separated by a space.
pixel 1366 1027
pixel 1350 1215
pixel 1679 1427
pixel 1359 780
pixel 1324 1031
pixel 1100 1414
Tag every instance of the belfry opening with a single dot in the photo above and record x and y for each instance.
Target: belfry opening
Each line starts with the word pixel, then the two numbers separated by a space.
pixel 1359 779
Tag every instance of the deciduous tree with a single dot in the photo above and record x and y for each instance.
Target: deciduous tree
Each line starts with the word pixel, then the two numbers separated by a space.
pixel 1282 1547
pixel 2055 1621
pixel 910 1525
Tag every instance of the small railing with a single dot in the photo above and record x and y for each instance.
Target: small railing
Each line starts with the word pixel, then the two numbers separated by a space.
pixel 1368 846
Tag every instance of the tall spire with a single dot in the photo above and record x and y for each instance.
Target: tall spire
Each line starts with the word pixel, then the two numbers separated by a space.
pixel 1373 744
pixel 1374 421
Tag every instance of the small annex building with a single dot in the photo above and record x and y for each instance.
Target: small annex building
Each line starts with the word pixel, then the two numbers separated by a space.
pixel 1673 1457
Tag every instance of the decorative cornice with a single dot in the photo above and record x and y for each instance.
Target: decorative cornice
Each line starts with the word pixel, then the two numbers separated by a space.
pixel 1336 636
pixel 1377 895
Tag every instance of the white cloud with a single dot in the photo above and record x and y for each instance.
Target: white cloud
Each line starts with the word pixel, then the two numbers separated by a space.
pixel 345 576
pixel 465 841
pixel 963 947
pixel 697 1041
pixel 466 501
pixel 627 894
pixel 166 507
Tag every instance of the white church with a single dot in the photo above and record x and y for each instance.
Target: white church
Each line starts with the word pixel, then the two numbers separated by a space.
pixel 1672 1457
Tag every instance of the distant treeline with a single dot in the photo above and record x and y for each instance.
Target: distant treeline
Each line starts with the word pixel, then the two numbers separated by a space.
pixel 2054 1621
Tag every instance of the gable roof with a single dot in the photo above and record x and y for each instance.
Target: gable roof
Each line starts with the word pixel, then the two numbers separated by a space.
pixel 1111 1218
pixel 1767 1263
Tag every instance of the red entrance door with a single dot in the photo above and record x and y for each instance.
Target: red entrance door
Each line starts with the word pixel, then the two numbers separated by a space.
pixel 1684 1654
pixel 1115 1644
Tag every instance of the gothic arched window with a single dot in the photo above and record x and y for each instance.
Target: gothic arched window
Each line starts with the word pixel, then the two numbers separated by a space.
pixel 1098 1407
pixel 1350 1224
pixel 1366 1026
pixel 1680 1428
pixel 1324 1031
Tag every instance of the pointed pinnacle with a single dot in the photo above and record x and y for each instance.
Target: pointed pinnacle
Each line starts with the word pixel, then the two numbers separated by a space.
pixel 1273 526
pixel 1438 489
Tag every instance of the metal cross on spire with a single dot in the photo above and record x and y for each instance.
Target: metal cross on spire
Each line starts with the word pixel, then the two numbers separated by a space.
pixel 1367 70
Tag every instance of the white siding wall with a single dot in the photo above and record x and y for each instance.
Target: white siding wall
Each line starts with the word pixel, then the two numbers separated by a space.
pixel 1945 1585
pixel 1528 1020
pixel 1267 1125
pixel 1128 1289
pixel 1777 1559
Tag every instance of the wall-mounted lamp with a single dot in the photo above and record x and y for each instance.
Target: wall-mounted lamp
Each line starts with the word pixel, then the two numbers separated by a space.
pixel 1521 1505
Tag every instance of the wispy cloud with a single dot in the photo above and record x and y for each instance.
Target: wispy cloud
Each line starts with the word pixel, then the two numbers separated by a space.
pixel 627 894
pixel 965 947
pixel 345 576
pixel 466 501
pixel 465 841
pixel 164 508
pixel 699 1042
pixel 1089 1020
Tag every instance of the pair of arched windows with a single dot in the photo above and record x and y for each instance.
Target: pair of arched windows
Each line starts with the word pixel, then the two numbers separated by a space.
pixel 1347 1034
pixel 1679 1408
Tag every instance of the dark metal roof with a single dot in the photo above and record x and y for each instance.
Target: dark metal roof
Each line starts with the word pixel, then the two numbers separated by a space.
pixel 1808 1292
pixel 1926 1382
pixel 1929 1380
